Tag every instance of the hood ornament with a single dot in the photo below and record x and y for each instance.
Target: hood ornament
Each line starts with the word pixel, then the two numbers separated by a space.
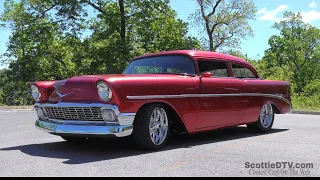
pixel 63 95
pixel 60 94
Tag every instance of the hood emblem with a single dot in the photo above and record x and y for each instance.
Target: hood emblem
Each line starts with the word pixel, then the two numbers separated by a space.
pixel 62 95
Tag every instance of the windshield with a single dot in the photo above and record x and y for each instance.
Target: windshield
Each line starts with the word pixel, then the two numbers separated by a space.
pixel 173 64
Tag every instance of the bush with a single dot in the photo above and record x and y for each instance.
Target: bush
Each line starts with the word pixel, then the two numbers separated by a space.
pixel 313 88
pixel 311 103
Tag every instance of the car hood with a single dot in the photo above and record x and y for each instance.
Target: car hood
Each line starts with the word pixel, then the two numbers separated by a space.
pixel 118 77
pixel 84 88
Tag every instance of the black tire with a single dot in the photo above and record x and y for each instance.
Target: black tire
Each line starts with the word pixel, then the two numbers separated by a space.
pixel 72 139
pixel 258 127
pixel 141 132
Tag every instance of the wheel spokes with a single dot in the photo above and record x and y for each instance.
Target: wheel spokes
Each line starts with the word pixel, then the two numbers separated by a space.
pixel 158 126
pixel 266 115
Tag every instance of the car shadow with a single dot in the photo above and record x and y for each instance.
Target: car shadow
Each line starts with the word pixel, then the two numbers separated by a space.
pixel 106 149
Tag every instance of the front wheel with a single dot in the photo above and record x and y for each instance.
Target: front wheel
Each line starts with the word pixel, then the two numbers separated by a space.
pixel 265 120
pixel 151 127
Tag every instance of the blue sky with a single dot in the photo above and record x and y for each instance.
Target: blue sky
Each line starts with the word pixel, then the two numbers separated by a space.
pixel 268 13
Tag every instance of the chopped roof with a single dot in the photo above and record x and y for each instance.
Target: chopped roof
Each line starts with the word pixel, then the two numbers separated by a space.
pixel 198 54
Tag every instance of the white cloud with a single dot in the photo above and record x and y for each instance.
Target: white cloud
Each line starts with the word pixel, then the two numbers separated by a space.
pixel 272 15
pixel 262 11
pixel 310 16
pixel 313 5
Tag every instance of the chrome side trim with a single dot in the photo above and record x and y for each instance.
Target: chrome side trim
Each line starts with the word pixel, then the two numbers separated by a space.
pixel 279 97
pixel 162 96
pixel 207 95
pixel 245 95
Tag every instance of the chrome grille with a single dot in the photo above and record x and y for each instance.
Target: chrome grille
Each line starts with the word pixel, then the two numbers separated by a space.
pixel 74 113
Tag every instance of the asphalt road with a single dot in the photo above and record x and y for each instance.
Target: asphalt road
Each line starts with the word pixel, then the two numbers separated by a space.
pixel 25 151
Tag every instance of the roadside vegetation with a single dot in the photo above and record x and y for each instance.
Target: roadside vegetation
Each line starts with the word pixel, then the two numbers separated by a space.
pixel 57 39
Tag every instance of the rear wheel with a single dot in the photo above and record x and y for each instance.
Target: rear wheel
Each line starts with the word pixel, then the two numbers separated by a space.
pixel 265 120
pixel 151 127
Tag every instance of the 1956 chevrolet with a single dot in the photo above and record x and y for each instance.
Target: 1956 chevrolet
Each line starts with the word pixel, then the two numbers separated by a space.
pixel 159 94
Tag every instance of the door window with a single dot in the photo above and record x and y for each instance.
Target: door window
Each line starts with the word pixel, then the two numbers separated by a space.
pixel 217 68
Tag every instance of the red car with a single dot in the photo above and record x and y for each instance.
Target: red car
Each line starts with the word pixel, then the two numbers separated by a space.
pixel 159 94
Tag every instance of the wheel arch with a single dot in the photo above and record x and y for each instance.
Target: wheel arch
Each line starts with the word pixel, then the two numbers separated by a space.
pixel 175 119
pixel 275 107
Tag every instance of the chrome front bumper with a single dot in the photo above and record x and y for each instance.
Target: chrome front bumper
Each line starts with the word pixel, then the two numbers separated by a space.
pixel 84 130
pixel 121 127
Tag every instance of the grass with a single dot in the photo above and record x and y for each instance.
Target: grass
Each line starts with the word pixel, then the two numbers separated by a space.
pixel 5 107
pixel 301 103
pixel 307 109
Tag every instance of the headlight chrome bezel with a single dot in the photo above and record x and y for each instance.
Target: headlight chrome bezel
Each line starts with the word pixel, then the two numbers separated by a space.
pixel 35 90
pixel 104 85
pixel 40 112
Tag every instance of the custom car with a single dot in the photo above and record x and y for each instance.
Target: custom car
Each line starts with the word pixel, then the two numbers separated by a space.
pixel 160 94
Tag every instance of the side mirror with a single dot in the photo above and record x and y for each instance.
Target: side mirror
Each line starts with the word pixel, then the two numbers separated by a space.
pixel 206 75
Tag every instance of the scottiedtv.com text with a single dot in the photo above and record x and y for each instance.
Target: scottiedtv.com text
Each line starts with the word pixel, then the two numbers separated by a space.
pixel 279 169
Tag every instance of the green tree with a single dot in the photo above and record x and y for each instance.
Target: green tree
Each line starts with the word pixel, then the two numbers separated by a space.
pixel 152 26
pixel 225 22
pixel 296 49
pixel 50 39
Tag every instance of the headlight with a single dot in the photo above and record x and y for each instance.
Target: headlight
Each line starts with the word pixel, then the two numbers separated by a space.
pixel 35 93
pixel 104 91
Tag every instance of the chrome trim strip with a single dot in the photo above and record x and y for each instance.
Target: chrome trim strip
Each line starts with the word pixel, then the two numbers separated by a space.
pixel 162 96
pixel 279 97
pixel 244 94
pixel 206 95
pixel 64 129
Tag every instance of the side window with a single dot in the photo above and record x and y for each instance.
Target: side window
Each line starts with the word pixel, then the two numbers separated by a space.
pixel 218 69
pixel 242 72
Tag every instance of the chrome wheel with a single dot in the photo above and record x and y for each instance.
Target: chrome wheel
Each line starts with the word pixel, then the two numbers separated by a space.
pixel 266 115
pixel 158 126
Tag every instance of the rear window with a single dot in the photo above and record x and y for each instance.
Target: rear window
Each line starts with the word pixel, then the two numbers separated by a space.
pixel 242 72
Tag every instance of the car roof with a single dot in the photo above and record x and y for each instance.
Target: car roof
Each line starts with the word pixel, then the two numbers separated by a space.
pixel 198 54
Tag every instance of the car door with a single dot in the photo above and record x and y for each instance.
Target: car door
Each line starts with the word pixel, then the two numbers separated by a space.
pixel 216 105
pixel 251 97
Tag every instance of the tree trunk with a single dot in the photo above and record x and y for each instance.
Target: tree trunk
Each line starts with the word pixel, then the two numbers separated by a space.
pixel 211 43
pixel 123 22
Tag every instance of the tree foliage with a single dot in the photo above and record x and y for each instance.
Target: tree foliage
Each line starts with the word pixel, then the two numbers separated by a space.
pixel 57 39
pixel 295 53
pixel 224 22
pixel 294 56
